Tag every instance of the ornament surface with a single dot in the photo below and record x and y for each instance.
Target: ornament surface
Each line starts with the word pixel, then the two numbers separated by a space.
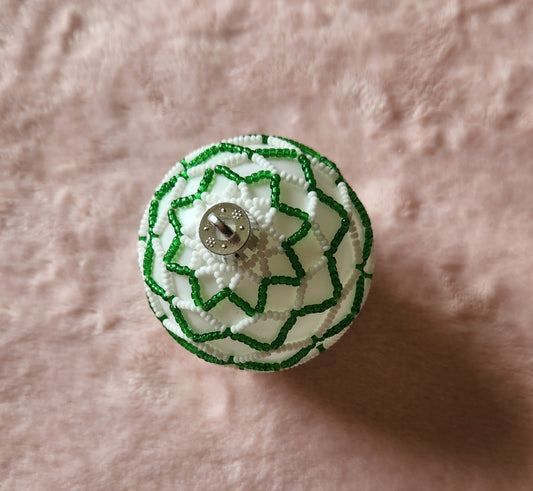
pixel 299 281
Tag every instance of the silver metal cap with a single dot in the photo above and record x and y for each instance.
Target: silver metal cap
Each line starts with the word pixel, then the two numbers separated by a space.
pixel 224 229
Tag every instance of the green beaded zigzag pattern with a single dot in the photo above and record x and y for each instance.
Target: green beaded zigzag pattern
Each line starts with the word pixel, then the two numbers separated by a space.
pixel 189 337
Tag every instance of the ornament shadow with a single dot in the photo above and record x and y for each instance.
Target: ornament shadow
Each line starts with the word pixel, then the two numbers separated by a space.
pixel 431 382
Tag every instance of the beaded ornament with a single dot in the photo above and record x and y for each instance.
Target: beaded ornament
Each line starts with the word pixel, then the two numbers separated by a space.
pixel 287 297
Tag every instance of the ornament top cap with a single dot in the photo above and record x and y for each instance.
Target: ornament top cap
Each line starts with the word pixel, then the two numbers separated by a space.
pixel 224 229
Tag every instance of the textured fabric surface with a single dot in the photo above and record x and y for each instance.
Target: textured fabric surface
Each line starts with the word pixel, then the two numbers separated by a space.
pixel 426 107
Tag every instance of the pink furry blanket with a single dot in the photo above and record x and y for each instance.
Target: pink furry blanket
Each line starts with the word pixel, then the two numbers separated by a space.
pixel 426 107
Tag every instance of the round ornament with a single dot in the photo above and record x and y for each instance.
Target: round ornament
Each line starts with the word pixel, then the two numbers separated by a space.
pixel 255 253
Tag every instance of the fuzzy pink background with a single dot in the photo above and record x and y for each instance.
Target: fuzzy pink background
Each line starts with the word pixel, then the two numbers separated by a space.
pixel 427 108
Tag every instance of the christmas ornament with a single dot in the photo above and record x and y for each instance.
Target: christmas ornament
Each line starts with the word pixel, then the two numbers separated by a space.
pixel 255 253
